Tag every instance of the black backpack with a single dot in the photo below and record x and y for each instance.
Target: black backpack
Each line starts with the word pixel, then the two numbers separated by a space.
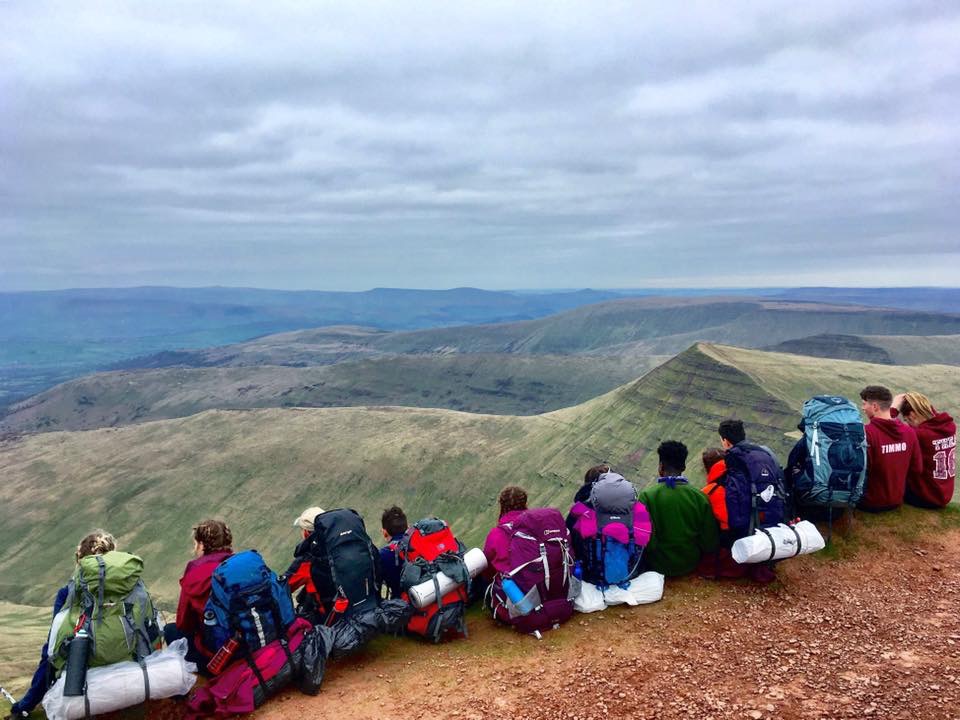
pixel 344 562
pixel 756 492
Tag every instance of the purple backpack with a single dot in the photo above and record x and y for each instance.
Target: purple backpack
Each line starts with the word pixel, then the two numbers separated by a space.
pixel 538 591
pixel 610 537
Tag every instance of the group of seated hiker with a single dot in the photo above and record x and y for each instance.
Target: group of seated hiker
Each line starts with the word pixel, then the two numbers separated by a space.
pixel 612 533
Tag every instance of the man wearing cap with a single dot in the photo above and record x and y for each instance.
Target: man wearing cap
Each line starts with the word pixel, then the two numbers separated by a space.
pixel 308 603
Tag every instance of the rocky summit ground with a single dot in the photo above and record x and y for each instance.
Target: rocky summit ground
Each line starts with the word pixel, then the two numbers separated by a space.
pixel 875 634
pixel 867 629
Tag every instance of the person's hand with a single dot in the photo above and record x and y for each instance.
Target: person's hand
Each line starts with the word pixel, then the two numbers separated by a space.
pixel 898 401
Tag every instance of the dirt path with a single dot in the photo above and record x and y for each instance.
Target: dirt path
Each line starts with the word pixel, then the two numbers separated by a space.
pixel 873 636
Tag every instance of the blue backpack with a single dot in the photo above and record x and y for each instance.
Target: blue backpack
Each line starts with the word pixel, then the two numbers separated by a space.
pixel 247 602
pixel 833 470
pixel 756 492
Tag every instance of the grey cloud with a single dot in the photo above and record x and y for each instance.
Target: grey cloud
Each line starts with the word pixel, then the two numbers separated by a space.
pixel 440 145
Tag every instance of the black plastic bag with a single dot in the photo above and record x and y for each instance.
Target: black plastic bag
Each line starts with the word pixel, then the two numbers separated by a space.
pixel 393 616
pixel 313 653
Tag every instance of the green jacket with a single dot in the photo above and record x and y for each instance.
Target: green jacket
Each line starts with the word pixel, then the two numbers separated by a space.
pixel 683 526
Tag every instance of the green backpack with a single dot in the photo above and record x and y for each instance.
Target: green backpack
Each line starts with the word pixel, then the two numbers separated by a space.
pixel 108 598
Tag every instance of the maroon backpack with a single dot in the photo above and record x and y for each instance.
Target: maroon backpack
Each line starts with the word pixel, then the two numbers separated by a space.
pixel 538 590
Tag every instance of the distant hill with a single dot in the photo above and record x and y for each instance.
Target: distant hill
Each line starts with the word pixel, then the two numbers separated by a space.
pixel 889 349
pixel 932 299
pixel 49 337
pixel 517 368
pixel 258 468
pixel 636 326
pixel 501 384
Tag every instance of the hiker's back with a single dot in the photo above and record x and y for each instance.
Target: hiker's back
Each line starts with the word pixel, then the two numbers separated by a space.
pixel 428 549
pixel 344 563
pixel 536 590
pixel 683 526
pixel 108 599
pixel 611 533
pixel 832 471
pixel 247 603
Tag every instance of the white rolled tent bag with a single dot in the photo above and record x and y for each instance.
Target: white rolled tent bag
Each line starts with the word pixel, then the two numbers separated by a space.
pixel 122 685
pixel 777 543
pixel 425 593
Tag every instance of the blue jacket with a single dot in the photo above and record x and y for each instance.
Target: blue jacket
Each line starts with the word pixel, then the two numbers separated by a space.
pixel 43 677
pixel 391 566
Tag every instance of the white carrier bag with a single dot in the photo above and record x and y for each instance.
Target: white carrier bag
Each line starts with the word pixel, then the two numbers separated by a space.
pixel 643 589
pixel 123 685
pixel 777 543
pixel 425 593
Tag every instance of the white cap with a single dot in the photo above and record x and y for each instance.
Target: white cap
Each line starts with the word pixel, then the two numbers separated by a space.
pixel 305 521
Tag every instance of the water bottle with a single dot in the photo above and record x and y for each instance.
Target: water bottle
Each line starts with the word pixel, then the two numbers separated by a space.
pixel 78 655
pixel 577 570
pixel 516 596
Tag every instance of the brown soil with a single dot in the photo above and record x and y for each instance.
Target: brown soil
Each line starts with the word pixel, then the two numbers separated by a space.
pixel 873 636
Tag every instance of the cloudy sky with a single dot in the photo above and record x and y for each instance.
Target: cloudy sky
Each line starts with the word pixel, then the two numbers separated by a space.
pixel 518 145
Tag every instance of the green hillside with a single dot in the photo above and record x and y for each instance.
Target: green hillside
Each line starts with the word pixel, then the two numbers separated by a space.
pixel 149 483
pixel 484 383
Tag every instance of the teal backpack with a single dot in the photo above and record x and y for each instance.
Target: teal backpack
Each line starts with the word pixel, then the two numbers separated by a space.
pixel 833 473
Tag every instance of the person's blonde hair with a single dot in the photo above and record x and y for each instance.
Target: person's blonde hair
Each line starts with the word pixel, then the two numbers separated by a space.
pixel 99 542
pixel 914 402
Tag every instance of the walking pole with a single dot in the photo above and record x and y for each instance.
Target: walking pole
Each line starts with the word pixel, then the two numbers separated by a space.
pixel 12 700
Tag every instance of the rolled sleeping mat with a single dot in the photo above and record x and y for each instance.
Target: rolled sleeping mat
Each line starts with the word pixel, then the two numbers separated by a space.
pixel 165 673
pixel 777 543
pixel 425 593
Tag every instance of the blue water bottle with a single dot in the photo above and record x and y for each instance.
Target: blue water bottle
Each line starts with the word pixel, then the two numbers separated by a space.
pixel 516 596
pixel 577 570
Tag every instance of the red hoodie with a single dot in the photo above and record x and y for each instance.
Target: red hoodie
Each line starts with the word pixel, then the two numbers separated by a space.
pixel 893 455
pixel 938 441
pixel 718 493
pixel 194 592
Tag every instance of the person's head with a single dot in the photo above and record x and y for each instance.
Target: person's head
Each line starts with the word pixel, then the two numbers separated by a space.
pixel 916 409
pixel 305 520
pixel 512 498
pixel 673 458
pixel 710 457
pixel 210 536
pixel 393 521
pixel 99 542
pixel 876 401
pixel 731 432
pixel 594 473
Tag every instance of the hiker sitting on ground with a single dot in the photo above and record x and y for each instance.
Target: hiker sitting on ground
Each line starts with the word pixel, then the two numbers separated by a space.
pixel 755 486
pixel 893 455
pixel 936 432
pixel 513 501
pixel 212 541
pixel 298 576
pixel 683 524
pixel 715 468
pixel 583 494
pixel 99 542
pixel 394 525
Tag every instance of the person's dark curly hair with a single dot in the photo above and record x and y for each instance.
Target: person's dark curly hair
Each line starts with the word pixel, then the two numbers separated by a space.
pixel 512 498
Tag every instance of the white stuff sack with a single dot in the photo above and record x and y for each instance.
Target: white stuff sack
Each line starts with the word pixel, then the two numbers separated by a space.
pixel 424 594
pixel 784 541
pixel 118 686
pixel 590 599
pixel 646 588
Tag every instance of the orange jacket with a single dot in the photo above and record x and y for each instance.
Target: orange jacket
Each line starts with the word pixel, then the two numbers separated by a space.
pixel 717 493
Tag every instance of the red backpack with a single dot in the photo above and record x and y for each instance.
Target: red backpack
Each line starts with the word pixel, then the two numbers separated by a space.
pixel 428 548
